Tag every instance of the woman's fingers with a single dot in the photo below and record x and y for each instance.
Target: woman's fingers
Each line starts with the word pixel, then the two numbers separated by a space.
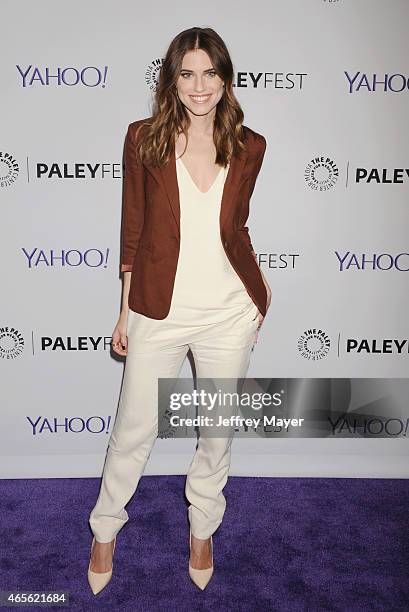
pixel 124 341
pixel 119 343
pixel 260 322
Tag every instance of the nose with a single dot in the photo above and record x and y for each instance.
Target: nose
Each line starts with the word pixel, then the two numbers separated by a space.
pixel 199 86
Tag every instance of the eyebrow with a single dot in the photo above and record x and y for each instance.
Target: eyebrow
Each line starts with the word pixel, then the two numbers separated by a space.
pixel 207 70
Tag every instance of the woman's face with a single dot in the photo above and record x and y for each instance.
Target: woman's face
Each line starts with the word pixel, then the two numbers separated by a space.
pixel 199 87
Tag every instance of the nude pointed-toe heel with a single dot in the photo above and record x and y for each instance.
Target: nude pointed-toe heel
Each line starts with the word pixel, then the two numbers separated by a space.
pixel 98 580
pixel 201 576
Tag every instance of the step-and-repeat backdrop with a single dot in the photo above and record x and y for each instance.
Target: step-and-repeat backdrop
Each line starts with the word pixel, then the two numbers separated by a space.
pixel 326 83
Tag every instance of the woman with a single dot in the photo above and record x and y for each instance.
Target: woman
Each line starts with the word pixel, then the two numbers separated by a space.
pixel 191 281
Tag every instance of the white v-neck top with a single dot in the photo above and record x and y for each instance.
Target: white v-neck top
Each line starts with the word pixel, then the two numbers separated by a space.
pixel 207 288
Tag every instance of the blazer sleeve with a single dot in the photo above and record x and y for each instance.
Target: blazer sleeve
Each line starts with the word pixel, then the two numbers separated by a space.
pixel 133 207
pixel 257 163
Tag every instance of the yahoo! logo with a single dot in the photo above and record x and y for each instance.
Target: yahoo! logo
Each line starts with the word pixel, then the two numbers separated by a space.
pixel 92 258
pixel 394 83
pixel 366 261
pixel 55 425
pixel 90 76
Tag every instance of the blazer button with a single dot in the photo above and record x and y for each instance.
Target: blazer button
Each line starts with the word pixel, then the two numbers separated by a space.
pixel 225 243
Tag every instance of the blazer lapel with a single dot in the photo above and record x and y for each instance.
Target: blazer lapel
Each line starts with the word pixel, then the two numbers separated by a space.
pixel 168 178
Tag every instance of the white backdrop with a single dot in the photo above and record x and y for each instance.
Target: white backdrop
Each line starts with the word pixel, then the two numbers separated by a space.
pixel 327 84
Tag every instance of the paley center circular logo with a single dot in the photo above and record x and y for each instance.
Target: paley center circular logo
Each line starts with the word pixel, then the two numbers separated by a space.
pixel 321 173
pixel 152 73
pixel 314 344
pixel 11 342
pixel 9 169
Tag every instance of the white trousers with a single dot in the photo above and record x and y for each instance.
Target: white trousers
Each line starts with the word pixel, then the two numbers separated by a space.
pixel 157 349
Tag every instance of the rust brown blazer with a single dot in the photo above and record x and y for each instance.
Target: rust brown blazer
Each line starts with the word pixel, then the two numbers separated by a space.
pixel 150 234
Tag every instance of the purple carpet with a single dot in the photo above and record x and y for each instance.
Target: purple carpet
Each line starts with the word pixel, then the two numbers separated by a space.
pixel 296 544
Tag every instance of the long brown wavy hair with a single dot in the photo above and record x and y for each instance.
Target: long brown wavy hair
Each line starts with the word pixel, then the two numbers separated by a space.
pixel 170 117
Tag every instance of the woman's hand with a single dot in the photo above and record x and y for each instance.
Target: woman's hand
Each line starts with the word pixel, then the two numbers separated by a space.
pixel 267 286
pixel 119 335
pixel 260 316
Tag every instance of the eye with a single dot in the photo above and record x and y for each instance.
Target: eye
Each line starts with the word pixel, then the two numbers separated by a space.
pixel 185 74
pixel 212 74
